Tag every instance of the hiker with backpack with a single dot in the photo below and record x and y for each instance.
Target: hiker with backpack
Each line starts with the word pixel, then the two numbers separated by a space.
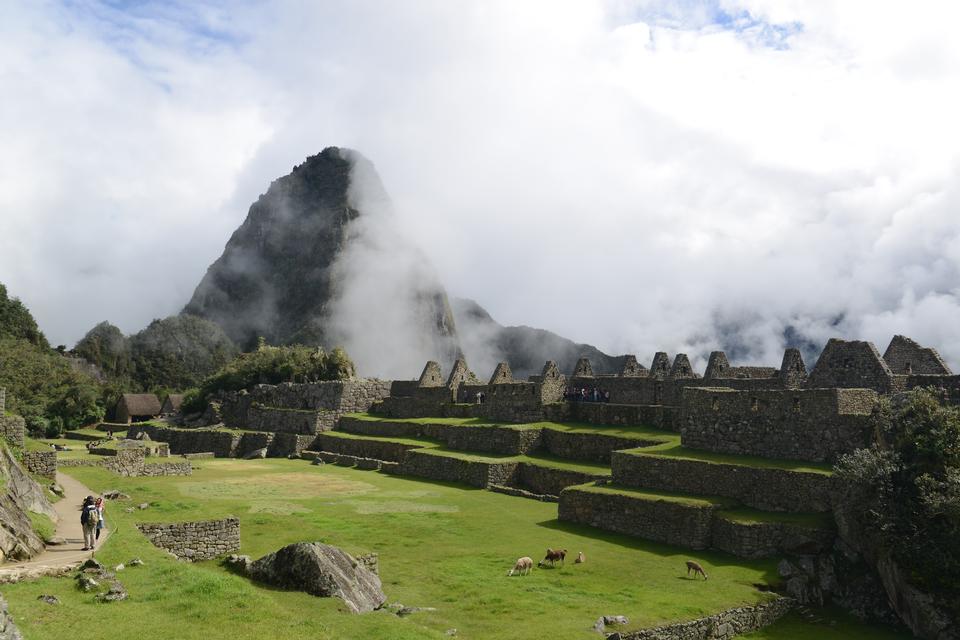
pixel 89 517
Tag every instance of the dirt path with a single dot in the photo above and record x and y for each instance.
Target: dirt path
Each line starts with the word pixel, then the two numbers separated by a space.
pixel 68 528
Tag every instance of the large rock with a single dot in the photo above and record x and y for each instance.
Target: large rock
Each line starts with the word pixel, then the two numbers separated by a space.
pixel 321 570
pixel 21 494
pixel 8 631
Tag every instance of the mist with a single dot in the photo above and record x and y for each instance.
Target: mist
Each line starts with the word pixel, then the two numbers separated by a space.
pixel 640 176
pixel 388 308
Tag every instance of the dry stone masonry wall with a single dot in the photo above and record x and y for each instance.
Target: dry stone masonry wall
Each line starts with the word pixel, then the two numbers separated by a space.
pixel 722 626
pixel 808 424
pixel 763 488
pixel 42 463
pixel 195 541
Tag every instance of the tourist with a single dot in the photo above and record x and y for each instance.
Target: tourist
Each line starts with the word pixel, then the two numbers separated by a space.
pixel 89 517
pixel 99 505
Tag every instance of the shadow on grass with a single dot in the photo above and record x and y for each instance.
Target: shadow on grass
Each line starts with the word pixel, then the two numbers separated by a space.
pixel 715 558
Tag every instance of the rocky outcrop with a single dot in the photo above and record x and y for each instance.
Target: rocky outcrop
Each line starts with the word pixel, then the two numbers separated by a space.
pixel 922 612
pixel 321 570
pixel 317 262
pixel 8 630
pixel 21 494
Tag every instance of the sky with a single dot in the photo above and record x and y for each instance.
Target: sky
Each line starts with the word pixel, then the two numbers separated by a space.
pixel 639 175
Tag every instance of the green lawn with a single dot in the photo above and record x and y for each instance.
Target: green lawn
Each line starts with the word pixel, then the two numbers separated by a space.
pixel 440 545
pixel 426 443
pixel 454 421
pixel 675 450
pixel 828 624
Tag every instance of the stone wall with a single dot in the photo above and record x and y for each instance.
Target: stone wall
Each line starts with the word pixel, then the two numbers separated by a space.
pixel 424 464
pixel 492 439
pixel 413 407
pixel 768 539
pixel 722 626
pixel 549 480
pixel 391 429
pixel 687 523
pixel 808 424
pixel 852 364
pixel 195 541
pixel 669 522
pixel 223 444
pixel 378 449
pixel 658 416
pixel 13 429
pixel 3 400
pixel 761 488
pixel 314 406
pixel 905 356
pixel 589 447
pixel 42 463
pixel 132 463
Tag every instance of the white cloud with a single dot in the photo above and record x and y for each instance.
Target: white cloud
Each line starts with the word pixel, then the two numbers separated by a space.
pixel 639 175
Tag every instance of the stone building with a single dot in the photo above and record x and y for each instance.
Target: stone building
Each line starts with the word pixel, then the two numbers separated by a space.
pixel 171 404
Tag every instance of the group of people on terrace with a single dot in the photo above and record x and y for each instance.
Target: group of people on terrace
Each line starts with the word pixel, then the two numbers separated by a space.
pixel 586 394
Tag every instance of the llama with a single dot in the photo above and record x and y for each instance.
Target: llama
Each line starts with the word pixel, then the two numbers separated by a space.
pixel 580 559
pixel 522 566
pixel 696 568
pixel 552 557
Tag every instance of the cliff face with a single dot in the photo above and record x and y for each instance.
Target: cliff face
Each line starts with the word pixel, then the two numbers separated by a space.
pixel 19 493
pixel 318 260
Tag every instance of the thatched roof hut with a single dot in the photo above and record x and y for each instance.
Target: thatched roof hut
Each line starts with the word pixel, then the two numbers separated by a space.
pixel 134 407
pixel 171 404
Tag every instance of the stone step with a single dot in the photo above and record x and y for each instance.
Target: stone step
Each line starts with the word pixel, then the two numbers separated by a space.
pixel 753 482
pixel 694 522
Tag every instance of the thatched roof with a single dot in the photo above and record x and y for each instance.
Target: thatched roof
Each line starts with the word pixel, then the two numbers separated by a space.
pixel 141 404
pixel 172 403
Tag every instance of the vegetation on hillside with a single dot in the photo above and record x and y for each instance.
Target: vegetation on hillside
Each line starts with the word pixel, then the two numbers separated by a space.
pixel 174 353
pixel 907 489
pixel 107 348
pixel 45 389
pixel 16 321
pixel 273 365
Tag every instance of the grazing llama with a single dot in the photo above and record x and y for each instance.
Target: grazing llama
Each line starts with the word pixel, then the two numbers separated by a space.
pixel 696 568
pixel 522 566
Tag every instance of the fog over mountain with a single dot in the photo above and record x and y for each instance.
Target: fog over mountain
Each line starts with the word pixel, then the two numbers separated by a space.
pixel 636 175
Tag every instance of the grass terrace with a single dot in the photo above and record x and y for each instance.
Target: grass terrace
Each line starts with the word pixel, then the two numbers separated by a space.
pixel 676 450
pixel 440 545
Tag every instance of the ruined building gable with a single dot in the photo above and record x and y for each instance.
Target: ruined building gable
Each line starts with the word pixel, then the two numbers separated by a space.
pixel 905 356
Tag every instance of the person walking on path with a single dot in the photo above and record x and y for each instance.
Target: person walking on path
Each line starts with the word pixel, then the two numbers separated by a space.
pixel 100 523
pixel 89 517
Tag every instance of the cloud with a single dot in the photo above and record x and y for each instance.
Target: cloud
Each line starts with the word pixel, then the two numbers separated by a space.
pixel 639 175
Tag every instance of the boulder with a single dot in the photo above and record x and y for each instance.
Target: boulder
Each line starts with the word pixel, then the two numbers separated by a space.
pixel 321 570
pixel 256 453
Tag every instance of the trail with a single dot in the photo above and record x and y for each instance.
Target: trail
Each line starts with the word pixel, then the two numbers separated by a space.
pixel 69 528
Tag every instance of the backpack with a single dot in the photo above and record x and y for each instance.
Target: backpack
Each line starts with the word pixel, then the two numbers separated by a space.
pixel 89 515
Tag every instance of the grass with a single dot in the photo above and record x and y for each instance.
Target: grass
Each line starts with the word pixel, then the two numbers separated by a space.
pixel 675 450
pixel 831 624
pixel 426 443
pixel 655 496
pixel 440 546
pixel 43 525
pixel 29 444
pixel 540 460
pixel 453 421
pixel 637 433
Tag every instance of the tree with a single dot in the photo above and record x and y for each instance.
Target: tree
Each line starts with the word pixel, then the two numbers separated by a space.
pixel 906 489
pixel 16 321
